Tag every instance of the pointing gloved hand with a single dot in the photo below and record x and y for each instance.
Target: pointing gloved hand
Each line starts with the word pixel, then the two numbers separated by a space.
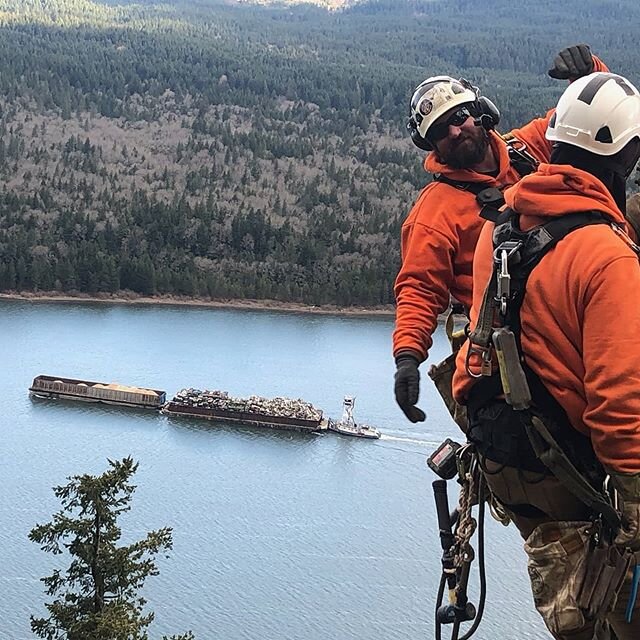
pixel 572 62
pixel 628 488
pixel 407 386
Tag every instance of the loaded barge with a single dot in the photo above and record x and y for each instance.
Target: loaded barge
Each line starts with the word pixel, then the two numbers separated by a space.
pixel 88 391
pixel 255 411
pixel 218 406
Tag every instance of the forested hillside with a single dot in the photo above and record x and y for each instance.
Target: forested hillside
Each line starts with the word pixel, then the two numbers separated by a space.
pixel 247 150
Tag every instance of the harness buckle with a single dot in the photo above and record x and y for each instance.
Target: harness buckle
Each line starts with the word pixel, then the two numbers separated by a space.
pixel 520 157
pixel 506 253
pixel 486 364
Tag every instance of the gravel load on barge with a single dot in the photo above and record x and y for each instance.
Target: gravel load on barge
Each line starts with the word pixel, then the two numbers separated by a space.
pixel 102 392
pixel 254 411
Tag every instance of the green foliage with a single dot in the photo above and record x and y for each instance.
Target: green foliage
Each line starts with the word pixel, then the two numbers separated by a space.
pixel 232 150
pixel 97 596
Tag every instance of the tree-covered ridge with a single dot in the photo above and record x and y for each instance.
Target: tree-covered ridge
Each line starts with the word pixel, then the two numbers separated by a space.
pixel 228 149
pixel 208 204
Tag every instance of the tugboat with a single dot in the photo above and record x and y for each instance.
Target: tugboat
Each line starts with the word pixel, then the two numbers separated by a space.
pixel 347 425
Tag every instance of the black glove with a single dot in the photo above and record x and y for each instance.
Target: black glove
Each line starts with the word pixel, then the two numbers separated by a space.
pixel 407 387
pixel 628 488
pixel 572 62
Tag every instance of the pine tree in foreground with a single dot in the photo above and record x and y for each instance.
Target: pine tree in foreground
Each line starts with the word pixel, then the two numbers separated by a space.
pixel 96 597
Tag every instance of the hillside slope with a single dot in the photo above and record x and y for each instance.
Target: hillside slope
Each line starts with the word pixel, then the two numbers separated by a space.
pixel 224 149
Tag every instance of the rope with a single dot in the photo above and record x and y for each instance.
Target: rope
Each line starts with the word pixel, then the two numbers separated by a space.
pixel 472 492
pixel 466 523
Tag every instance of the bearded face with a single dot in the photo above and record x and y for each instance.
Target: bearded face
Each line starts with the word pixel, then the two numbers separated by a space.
pixel 464 147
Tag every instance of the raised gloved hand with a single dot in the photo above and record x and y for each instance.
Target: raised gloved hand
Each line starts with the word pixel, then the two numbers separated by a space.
pixel 628 488
pixel 572 62
pixel 407 386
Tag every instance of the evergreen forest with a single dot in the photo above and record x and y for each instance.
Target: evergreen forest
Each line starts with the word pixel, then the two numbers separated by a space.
pixel 226 149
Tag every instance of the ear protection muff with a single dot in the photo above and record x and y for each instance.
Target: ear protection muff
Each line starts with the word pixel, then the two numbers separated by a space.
pixel 418 140
pixel 486 113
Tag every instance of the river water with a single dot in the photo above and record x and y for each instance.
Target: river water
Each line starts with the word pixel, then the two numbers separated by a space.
pixel 277 535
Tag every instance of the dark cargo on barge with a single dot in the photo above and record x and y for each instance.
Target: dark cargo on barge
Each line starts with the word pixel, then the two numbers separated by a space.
pixel 274 413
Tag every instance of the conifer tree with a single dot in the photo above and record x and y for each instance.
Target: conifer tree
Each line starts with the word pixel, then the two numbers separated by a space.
pixel 97 596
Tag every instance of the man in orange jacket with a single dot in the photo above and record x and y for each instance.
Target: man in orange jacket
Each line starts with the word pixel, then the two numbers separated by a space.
pixel 451 120
pixel 579 326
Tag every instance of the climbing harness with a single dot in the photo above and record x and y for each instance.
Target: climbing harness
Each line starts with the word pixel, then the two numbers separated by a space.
pixel 516 422
pixel 496 340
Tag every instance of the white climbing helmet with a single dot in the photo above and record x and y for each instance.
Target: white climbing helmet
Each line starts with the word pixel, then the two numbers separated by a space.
pixel 599 113
pixel 434 97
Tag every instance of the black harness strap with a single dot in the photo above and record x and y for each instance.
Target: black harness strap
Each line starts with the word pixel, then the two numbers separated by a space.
pixel 536 243
pixel 521 160
pixel 515 437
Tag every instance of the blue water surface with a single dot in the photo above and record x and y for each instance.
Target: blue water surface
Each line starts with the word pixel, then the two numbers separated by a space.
pixel 277 535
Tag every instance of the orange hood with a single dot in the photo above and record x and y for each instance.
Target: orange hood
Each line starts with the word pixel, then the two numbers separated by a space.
pixel 556 190
pixel 433 165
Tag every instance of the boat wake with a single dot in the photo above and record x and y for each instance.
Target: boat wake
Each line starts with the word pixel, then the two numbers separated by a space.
pixel 426 443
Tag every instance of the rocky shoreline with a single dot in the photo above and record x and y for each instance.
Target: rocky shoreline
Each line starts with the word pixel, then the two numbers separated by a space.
pixel 131 298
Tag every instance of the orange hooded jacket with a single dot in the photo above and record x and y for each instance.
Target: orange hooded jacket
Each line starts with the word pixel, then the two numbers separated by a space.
pixel 439 237
pixel 580 316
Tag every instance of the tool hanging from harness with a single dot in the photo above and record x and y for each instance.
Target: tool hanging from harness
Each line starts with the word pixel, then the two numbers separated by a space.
pixel 513 419
pixel 456 530
pixel 491 199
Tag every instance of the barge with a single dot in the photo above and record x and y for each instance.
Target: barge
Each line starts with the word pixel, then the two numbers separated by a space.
pixel 89 391
pixel 347 426
pixel 255 411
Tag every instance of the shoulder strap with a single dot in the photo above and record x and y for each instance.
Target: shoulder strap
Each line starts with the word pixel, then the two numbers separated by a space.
pixel 521 251
pixel 491 199
pixel 533 246
pixel 472 187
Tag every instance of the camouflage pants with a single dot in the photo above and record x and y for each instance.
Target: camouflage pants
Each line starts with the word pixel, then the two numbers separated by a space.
pixel 535 505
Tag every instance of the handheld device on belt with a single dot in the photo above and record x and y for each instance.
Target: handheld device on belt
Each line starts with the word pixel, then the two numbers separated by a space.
pixel 443 460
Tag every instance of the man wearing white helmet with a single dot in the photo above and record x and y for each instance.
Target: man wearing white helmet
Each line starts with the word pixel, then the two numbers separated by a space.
pixel 562 276
pixel 451 121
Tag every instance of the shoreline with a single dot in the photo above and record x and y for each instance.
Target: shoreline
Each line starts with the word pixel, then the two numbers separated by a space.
pixel 130 298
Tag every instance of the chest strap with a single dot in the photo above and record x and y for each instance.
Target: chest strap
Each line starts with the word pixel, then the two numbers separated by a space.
pixel 490 199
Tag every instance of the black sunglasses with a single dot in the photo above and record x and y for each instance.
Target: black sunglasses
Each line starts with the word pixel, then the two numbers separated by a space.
pixel 439 131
